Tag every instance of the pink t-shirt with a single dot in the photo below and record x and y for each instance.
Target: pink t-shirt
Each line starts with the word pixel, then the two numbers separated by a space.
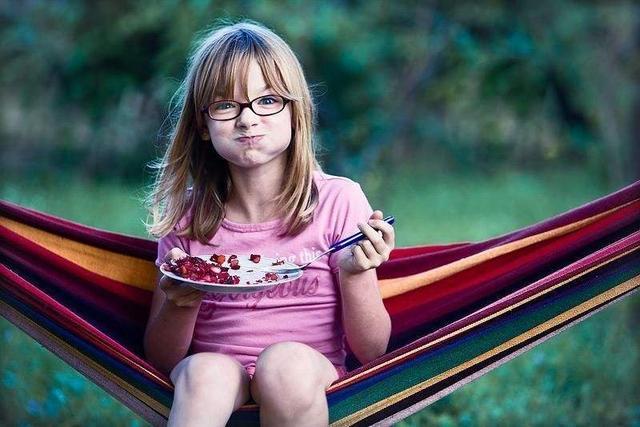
pixel 306 310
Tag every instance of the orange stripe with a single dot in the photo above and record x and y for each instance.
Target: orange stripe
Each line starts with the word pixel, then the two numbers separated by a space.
pixel 426 346
pixel 568 315
pixel 126 269
pixel 400 285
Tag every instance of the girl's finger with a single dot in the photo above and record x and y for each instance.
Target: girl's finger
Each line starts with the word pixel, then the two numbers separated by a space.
pixel 387 230
pixel 368 249
pixel 377 214
pixel 373 237
pixel 174 289
pixel 167 283
pixel 175 253
pixel 360 258
pixel 184 292
pixel 375 258
pixel 191 298
pixel 183 296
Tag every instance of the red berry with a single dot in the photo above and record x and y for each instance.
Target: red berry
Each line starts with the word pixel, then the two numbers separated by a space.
pixel 218 259
pixel 270 277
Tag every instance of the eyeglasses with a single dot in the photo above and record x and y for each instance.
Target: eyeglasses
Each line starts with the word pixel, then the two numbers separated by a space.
pixel 262 106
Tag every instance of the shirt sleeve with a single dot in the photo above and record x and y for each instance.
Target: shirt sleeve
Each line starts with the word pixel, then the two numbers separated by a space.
pixel 168 242
pixel 351 208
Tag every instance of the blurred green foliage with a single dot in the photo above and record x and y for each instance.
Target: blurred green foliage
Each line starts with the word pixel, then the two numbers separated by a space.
pixel 459 85
pixel 464 119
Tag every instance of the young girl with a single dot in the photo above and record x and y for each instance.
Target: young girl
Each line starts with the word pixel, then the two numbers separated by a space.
pixel 240 176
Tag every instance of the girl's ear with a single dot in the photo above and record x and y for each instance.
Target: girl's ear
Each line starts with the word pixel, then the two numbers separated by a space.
pixel 204 134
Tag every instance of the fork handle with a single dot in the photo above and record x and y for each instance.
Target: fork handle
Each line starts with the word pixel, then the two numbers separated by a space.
pixel 355 238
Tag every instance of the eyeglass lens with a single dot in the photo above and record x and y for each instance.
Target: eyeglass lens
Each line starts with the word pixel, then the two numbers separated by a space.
pixel 262 106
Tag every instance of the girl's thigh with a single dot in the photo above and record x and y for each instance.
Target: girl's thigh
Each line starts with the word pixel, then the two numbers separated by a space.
pixel 291 365
pixel 205 373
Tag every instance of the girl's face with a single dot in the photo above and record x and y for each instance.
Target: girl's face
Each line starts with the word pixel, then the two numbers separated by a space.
pixel 249 140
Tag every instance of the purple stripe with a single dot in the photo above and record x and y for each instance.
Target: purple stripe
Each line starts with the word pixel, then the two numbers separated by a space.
pixel 437 303
pixel 146 249
pixel 418 263
pixel 546 282
pixel 417 401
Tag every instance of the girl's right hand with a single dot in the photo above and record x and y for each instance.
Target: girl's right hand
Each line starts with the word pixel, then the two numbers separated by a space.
pixel 177 293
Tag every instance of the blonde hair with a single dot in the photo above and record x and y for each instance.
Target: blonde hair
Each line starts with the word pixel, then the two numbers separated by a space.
pixel 220 59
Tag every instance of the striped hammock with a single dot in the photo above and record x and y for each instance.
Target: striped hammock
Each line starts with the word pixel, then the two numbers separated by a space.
pixel 458 310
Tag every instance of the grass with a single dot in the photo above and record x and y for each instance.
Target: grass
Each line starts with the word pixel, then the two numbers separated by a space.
pixel 107 205
pixel 586 376
pixel 38 389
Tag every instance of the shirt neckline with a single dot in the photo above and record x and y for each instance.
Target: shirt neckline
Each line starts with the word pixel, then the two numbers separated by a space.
pixel 260 226
pixel 263 226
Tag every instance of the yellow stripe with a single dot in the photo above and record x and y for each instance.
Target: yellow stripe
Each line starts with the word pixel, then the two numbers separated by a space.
pixel 393 287
pixel 143 274
pixel 475 324
pixel 562 318
pixel 122 268
pixel 90 363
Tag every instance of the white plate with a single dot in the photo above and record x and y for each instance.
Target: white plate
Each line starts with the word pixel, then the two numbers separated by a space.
pixel 249 272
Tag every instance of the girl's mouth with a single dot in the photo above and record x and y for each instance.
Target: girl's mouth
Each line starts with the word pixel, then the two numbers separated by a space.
pixel 249 139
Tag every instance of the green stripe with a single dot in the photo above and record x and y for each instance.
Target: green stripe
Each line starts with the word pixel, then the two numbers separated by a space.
pixel 415 372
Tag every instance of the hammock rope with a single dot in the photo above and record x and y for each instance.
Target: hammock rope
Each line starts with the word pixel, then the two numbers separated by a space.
pixel 458 310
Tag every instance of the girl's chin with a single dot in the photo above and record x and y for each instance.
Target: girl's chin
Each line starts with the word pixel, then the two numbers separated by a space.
pixel 251 159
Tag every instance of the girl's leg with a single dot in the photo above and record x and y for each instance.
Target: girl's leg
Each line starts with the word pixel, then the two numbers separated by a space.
pixel 290 383
pixel 208 388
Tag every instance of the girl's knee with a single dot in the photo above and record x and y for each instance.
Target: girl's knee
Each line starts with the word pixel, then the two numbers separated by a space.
pixel 292 370
pixel 287 359
pixel 203 371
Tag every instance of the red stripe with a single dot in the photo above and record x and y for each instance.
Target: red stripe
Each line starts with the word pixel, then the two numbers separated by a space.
pixel 598 257
pixel 52 309
pixel 463 289
pixel 82 299
pixel 416 263
pixel 410 251
pixel 39 258
pixel 117 242
pixel 593 231
pixel 146 249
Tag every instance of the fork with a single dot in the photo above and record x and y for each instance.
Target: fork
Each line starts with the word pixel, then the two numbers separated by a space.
pixel 334 248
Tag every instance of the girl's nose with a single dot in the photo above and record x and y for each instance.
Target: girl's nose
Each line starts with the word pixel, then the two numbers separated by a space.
pixel 247 118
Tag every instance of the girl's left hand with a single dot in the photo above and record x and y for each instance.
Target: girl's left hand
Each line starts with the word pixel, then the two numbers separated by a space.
pixel 371 251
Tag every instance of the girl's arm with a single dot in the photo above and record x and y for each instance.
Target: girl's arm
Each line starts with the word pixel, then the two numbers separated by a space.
pixel 172 317
pixel 366 322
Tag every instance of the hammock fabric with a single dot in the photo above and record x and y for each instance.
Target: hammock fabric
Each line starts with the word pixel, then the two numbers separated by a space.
pixel 458 310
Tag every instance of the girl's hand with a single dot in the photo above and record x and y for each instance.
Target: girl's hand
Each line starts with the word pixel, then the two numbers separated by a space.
pixel 176 293
pixel 371 251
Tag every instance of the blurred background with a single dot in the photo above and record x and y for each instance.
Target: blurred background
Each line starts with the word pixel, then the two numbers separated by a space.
pixel 464 119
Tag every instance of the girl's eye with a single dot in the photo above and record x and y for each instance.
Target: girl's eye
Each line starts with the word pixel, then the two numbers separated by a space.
pixel 268 100
pixel 221 106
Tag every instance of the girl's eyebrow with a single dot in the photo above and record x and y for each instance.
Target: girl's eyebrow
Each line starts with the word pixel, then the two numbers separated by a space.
pixel 263 89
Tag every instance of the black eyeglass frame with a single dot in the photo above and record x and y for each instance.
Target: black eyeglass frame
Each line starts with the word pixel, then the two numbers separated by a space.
pixel 244 105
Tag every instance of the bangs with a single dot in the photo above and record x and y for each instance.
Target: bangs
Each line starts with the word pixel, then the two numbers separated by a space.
pixel 219 64
pixel 229 66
